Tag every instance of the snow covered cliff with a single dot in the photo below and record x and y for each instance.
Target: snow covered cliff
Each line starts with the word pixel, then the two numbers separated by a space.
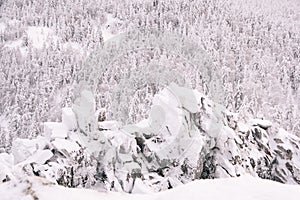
pixel 186 137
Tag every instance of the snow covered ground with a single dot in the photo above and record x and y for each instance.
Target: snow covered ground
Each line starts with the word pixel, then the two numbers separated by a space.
pixel 246 188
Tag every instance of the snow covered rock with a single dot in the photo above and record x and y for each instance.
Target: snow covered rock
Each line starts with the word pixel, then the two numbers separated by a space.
pixel 65 146
pixel 69 118
pixel 39 157
pixel 109 125
pixel 84 108
pixel 24 148
pixel 55 130
pixel 286 166
pixel 61 129
pixel 189 137
pixel 6 164
pixel 261 123
pixel 186 137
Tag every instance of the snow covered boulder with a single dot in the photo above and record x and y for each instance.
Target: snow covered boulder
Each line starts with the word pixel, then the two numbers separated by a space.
pixel 55 130
pixel 265 124
pixel 168 141
pixel 24 148
pixel 286 167
pixel 39 157
pixel 65 146
pixel 186 96
pixel 6 164
pixel 85 108
pixel 61 129
pixel 69 118
pixel 109 125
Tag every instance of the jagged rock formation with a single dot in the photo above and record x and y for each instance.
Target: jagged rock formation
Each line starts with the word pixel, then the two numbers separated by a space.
pixel 189 137
pixel 186 137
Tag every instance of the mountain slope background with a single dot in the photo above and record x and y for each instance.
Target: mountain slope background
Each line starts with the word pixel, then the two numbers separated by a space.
pixel 250 48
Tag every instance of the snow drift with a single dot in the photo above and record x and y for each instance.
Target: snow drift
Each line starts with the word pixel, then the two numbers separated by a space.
pixel 245 187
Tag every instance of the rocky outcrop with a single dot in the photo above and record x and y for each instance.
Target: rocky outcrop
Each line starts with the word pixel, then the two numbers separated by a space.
pixel 186 137
pixel 189 137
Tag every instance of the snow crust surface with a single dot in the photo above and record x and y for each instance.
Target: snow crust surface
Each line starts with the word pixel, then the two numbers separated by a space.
pixel 245 187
